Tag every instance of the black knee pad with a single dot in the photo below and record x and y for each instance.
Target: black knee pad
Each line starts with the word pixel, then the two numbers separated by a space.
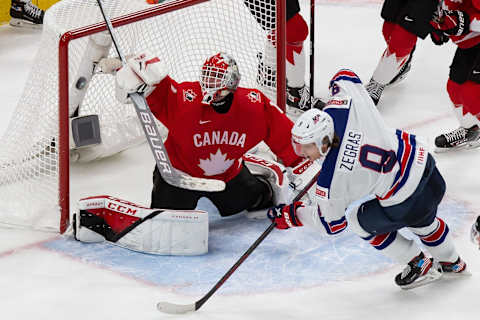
pixel 265 197
pixel 466 65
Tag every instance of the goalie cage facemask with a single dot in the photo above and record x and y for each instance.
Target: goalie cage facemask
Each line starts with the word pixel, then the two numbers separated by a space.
pixel 218 77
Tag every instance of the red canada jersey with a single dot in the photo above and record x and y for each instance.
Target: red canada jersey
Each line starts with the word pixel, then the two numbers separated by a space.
pixel 207 144
pixel 472 8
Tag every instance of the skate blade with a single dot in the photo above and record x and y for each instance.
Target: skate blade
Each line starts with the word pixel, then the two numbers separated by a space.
pixel 457 148
pixel 19 23
pixel 456 275
pixel 426 279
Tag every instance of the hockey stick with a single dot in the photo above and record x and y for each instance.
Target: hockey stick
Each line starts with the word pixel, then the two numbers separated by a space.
pixel 171 175
pixel 173 308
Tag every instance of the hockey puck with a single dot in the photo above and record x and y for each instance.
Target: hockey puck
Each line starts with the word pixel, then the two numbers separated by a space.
pixel 81 83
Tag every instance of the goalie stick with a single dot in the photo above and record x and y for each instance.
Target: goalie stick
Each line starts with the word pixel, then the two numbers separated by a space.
pixel 171 175
pixel 173 308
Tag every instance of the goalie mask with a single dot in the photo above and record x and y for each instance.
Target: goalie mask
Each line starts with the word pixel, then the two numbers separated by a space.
pixel 313 126
pixel 219 76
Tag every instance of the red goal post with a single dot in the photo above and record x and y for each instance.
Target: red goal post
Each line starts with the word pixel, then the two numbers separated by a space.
pixel 243 39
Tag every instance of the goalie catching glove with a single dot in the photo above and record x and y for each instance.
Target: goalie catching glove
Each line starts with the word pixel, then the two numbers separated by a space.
pixel 285 216
pixel 141 74
pixel 154 231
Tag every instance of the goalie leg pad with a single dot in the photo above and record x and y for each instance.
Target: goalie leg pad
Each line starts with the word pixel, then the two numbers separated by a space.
pixel 153 231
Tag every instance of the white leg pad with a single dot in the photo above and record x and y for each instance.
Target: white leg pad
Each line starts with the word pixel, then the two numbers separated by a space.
pixel 153 231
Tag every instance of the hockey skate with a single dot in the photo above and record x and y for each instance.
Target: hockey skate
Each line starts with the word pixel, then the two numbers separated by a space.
pixel 402 74
pixel 24 14
pixel 461 138
pixel 299 100
pixel 375 90
pixel 418 272
pixel 454 269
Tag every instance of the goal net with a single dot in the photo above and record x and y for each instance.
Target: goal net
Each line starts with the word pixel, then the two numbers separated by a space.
pixel 34 151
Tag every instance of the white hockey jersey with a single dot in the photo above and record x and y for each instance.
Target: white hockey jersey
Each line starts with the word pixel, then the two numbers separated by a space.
pixel 373 159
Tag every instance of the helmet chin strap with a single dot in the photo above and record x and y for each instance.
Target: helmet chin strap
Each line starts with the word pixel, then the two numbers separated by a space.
pixel 223 105
pixel 212 96
pixel 323 154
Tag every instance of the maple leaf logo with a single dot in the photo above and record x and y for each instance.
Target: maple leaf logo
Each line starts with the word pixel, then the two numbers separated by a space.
pixel 215 164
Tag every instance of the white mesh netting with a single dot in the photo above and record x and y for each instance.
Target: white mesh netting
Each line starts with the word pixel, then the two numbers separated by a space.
pixel 29 167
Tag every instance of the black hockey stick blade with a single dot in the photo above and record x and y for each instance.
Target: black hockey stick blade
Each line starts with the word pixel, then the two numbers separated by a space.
pixel 172 308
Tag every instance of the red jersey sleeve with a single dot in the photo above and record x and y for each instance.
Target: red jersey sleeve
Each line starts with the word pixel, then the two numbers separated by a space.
pixel 279 134
pixel 162 99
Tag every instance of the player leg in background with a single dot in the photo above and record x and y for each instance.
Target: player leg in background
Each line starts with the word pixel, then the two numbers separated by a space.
pixel 25 14
pixel 379 225
pixel 298 94
pixel 464 90
pixel 243 192
pixel 404 22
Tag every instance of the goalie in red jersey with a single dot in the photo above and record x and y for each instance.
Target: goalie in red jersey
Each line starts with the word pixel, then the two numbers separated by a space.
pixel 212 123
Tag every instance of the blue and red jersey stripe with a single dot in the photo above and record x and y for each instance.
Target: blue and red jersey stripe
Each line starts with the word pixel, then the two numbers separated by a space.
pixel 405 157
pixel 381 241
pixel 437 236
pixel 333 227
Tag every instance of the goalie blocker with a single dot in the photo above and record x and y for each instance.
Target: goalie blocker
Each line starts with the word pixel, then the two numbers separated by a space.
pixel 153 231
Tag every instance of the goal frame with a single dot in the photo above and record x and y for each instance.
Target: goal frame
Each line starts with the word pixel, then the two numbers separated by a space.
pixel 63 115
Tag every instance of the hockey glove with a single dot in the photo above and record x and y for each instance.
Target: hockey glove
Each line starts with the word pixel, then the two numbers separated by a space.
pixel 141 73
pixel 475 232
pixel 453 23
pixel 285 216
pixel 438 37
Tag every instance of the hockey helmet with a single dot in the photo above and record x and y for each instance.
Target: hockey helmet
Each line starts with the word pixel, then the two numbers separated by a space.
pixel 312 127
pixel 218 77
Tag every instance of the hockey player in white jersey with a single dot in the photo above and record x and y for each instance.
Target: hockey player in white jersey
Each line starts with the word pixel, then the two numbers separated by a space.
pixel 375 179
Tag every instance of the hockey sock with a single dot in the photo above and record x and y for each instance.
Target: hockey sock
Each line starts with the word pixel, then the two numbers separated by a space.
pixel 395 246
pixel 400 44
pixel 437 240
pixel 297 32
pixel 466 102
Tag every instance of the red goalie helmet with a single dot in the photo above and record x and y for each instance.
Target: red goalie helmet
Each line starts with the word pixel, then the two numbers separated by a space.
pixel 218 77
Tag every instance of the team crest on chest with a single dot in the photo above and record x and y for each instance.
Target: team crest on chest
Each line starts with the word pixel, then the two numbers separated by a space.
pixel 189 95
pixel 254 96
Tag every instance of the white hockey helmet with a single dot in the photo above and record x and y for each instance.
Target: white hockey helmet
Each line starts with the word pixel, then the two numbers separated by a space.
pixel 218 77
pixel 312 127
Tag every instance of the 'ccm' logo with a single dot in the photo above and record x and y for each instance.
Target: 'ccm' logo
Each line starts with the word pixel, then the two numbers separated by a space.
pixel 155 141
pixel 122 209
